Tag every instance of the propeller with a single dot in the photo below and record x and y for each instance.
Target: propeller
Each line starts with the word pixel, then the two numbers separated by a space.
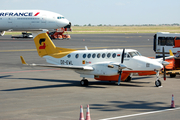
pixel 120 70
pixel 164 65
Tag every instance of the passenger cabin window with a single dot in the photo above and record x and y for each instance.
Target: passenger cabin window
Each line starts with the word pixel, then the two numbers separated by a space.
pixel 114 55
pixel 98 55
pixel 77 56
pixel 94 55
pixel 109 55
pixel 166 41
pixel 89 55
pixel 84 55
pixel 69 56
pixel 103 55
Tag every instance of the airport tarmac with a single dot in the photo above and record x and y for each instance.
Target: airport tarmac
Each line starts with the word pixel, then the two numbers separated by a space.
pixel 55 94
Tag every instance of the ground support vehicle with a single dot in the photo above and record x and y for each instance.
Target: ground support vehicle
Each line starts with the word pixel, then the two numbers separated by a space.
pixel 170 41
pixel 59 34
pixel 24 35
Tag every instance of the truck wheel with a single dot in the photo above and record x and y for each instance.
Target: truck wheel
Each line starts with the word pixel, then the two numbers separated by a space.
pixel 172 75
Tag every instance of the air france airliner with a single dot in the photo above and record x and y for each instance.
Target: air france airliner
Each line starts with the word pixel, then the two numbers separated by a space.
pixel 30 20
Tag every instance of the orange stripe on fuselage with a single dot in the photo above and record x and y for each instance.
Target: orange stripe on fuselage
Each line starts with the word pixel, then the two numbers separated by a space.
pixel 124 75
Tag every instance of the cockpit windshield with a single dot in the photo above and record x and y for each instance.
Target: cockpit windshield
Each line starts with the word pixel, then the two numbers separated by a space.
pixel 132 54
pixel 60 17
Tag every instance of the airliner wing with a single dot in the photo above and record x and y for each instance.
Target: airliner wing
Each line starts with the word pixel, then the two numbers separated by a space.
pixel 88 68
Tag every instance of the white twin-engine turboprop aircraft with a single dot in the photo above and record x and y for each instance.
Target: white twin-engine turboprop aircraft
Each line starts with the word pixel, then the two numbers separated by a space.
pixel 30 20
pixel 105 65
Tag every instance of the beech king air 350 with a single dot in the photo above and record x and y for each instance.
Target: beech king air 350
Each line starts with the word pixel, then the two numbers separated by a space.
pixel 31 20
pixel 104 65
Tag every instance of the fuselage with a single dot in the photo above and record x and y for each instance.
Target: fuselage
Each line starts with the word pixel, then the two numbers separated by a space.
pixel 27 20
pixel 100 59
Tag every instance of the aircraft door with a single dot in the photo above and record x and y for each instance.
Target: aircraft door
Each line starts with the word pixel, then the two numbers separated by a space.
pixel 10 23
pixel 43 21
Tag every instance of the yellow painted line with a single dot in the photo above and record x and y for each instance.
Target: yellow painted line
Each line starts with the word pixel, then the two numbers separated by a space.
pixel 117 47
pixel 18 50
pixel 26 50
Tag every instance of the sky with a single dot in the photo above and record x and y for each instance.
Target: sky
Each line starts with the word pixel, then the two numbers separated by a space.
pixel 105 12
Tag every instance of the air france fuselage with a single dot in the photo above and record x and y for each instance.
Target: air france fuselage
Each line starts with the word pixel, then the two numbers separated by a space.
pixel 28 20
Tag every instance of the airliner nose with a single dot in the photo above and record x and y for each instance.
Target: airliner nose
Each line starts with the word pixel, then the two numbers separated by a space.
pixel 63 22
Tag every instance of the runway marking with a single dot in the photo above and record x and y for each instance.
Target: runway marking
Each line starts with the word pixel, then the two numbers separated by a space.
pixel 29 71
pixel 145 113
pixel 23 50
pixel 18 50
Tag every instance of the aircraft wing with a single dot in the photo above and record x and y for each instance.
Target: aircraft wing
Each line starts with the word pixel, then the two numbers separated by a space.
pixel 88 68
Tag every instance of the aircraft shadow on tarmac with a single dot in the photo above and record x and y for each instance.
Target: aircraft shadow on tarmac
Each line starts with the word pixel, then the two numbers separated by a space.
pixel 5 76
pixel 141 106
pixel 72 83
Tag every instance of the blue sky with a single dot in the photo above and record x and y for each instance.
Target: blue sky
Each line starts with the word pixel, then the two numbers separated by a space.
pixel 114 12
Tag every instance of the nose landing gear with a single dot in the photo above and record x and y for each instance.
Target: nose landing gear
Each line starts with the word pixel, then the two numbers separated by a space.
pixel 157 82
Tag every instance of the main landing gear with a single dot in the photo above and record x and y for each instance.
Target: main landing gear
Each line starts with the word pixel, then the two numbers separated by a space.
pixel 84 82
pixel 157 82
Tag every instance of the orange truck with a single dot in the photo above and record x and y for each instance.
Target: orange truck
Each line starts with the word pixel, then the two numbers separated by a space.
pixel 174 67
pixel 168 41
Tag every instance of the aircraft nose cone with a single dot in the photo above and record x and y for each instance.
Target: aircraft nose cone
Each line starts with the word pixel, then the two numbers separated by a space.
pixel 158 66
pixel 63 22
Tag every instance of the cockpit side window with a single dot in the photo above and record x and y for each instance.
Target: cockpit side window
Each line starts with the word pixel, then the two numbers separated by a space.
pixel 128 56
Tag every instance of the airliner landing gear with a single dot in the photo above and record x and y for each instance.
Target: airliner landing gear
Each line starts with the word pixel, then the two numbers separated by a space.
pixel 157 82
pixel 84 82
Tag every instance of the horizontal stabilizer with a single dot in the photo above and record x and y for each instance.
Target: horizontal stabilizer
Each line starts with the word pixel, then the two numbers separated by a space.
pixel 87 68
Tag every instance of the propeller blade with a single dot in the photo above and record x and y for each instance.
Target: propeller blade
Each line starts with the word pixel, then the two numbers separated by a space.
pixel 120 70
pixel 163 55
pixel 164 73
pixel 122 58
pixel 164 65
pixel 119 80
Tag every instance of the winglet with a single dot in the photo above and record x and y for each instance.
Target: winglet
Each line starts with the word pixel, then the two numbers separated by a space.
pixel 22 60
pixel 170 52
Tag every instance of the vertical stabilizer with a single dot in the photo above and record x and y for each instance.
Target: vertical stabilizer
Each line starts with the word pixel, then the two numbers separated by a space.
pixel 44 45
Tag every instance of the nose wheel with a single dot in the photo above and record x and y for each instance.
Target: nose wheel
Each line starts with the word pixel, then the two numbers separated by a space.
pixel 157 82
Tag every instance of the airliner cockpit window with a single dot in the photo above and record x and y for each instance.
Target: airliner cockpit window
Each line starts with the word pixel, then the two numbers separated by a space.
pixel 60 17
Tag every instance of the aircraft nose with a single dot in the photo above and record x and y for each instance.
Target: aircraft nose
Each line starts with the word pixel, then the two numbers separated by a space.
pixel 63 22
pixel 158 66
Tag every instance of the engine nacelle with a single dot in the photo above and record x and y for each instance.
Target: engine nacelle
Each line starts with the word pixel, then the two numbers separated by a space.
pixel 2 33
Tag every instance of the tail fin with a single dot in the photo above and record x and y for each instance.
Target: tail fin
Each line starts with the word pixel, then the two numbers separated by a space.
pixel 45 46
pixel 170 52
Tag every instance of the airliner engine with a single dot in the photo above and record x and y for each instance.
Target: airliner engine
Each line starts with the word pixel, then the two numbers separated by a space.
pixel 2 33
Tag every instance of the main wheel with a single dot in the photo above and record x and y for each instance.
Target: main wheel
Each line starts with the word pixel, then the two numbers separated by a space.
pixel 128 79
pixel 158 83
pixel 84 82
